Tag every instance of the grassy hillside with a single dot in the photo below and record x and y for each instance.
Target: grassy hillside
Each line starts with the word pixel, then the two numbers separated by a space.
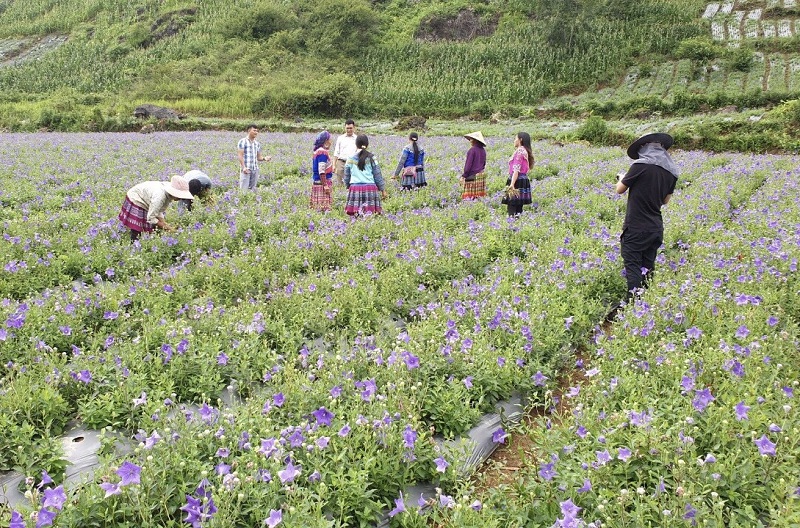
pixel 68 64
pixel 288 57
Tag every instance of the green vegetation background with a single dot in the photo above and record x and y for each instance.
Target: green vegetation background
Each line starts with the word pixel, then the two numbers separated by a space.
pixel 242 59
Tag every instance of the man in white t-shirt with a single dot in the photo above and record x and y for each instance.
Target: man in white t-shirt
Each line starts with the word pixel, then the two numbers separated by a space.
pixel 345 148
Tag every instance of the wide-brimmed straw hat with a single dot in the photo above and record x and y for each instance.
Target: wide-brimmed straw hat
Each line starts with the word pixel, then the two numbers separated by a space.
pixel 659 137
pixel 477 136
pixel 178 187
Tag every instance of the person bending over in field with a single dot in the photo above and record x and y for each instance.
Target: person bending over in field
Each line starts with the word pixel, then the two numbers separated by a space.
pixel 199 186
pixel 145 204
pixel 650 183
pixel 364 181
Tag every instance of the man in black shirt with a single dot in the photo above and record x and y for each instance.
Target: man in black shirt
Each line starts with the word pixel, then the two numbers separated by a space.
pixel 650 183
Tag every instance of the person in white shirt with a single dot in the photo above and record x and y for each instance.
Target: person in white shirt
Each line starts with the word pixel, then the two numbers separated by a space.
pixel 345 149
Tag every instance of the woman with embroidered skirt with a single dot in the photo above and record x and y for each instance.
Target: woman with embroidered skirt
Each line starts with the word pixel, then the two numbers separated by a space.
pixel 364 181
pixel 322 173
pixel 518 186
pixel 474 176
pixel 145 204
pixel 411 167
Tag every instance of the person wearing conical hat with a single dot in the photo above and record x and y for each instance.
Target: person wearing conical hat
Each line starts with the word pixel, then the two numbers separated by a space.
pixel 649 182
pixel 474 176
pixel 145 204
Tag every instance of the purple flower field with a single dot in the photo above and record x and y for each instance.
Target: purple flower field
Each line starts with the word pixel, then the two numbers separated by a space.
pixel 270 365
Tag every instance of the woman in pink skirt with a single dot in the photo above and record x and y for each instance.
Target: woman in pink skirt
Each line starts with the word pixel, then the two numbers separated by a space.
pixel 145 204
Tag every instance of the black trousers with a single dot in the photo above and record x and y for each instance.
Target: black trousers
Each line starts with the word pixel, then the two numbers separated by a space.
pixel 639 251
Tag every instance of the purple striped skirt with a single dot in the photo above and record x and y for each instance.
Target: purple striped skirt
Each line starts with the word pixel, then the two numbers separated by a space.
pixel 363 198
pixel 134 217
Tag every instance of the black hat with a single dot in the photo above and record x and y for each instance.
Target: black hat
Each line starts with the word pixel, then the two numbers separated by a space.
pixel 195 187
pixel 659 137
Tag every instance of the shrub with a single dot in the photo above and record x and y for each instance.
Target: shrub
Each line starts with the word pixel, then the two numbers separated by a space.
pixel 698 48
pixel 740 59
pixel 595 129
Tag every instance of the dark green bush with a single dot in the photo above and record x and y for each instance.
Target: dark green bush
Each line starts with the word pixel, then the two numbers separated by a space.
pixel 595 129
pixel 739 59
pixel 698 48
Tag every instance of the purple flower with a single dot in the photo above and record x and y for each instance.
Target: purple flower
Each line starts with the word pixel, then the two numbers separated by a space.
pixel 290 473
pixel 45 518
pixel 45 480
pixel 399 506
pixel 84 376
pixel 223 452
pixel 222 358
pixel 788 392
pixel 548 471
pixel 206 413
pixel 573 392
pixel 412 361
pixel 141 400
pixel 587 486
pixel 772 321
pixel 409 437
pixel 110 488
pixel 641 419
pixel 603 457
pixel 624 454
pixel 54 498
pixel 582 431
pixel 151 440
pixel 742 332
pixel 336 392
pixel 274 519
pixel 694 333
pixel 468 382
pixel 499 436
pixel 17 520
pixel 129 473
pixel 690 513
pixel 344 431
pixel 322 442
pixel 539 379
pixel 268 447
pixel 741 411
pixel 296 439
pixel 765 447
pixel 446 501
pixel 441 464
pixel 774 428
pixel 278 399
pixel 702 399
pixel 323 416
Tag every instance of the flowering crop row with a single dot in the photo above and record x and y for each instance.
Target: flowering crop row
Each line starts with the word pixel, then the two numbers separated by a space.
pixel 352 345
pixel 686 410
